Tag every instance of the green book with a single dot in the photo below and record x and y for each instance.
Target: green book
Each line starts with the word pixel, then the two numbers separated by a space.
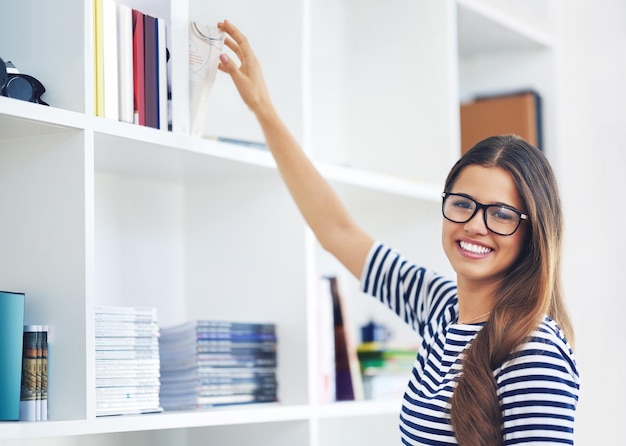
pixel 11 333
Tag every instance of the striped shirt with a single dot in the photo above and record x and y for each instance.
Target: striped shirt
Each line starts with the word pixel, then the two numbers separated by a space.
pixel 538 387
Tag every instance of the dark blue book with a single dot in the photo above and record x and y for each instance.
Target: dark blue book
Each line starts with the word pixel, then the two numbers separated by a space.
pixel 11 336
pixel 151 73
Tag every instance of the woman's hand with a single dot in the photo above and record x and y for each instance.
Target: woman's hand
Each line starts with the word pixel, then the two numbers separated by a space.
pixel 248 77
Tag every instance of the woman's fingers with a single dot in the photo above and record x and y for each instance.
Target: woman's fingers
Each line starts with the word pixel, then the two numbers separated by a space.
pixel 230 43
pixel 234 32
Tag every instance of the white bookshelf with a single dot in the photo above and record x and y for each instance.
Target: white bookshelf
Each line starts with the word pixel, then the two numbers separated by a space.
pixel 101 212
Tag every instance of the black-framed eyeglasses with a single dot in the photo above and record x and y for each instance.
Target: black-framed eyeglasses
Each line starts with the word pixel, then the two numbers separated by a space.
pixel 499 218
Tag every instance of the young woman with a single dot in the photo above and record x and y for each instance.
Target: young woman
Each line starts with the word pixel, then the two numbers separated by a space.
pixel 495 366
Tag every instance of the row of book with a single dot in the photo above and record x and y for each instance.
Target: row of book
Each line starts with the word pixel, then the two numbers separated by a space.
pixel 127 360
pixel 24 362
pixel 131 72
pixel 371 369
pixel 212 363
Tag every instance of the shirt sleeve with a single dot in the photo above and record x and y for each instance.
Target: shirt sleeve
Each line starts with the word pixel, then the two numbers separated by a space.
pixel 538 388
pixel 416 294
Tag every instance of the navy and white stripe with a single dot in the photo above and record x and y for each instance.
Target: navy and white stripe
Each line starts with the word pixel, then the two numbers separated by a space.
pixel 538 386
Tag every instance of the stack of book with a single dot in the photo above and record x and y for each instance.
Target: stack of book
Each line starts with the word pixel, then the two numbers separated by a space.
pixel 127 361
pixel 385 370
pixel 34 388
pixel 212 363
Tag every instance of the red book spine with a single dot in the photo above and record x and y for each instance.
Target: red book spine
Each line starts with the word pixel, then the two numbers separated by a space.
pixel 139 68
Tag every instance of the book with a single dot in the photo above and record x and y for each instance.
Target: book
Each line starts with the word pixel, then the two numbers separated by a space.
pixel 138 68
pixel 28 393
pixel 110 59
pixel 162 81
pixel 125 62
pixel 34 376
pixel 38 354
pixel 325 341
pixel 98 43
pixel 385 370
pixel 348 384
pixel 205 46
pixel 11 346
pixel 151 71
pixel 43 338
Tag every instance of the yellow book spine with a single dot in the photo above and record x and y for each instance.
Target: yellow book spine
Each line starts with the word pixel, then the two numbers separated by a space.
pixel 98 58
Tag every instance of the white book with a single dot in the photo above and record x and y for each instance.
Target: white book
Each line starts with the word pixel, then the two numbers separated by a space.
pixel 325 338
pixel 109 42
pixel 163 81
pixel 125 62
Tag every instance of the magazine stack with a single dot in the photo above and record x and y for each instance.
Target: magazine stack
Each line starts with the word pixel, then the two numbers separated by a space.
pixel 214 363
pixel 127 361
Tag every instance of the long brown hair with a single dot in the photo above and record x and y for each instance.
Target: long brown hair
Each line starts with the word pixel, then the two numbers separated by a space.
pixel 530 290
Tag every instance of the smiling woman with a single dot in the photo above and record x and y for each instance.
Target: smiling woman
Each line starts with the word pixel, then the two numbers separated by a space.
pixel 506 374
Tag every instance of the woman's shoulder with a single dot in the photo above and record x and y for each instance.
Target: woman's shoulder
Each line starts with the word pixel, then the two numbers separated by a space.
pixel 384 258
pixel 546 348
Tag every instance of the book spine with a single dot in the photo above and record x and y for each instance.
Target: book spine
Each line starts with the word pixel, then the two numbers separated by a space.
pixel 98 58
pixel 44 372
pixel 138 68
pixel 151 72
pixel 28 395
pixel 110 55
pixel 38 372
pixel 162 74
pixel 125 65
pixel 348 383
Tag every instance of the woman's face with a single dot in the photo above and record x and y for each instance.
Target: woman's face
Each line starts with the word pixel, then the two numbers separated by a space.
pixel 478 255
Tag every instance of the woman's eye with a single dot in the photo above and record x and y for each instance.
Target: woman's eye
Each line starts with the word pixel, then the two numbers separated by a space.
pixel 463 204
pixel 503 214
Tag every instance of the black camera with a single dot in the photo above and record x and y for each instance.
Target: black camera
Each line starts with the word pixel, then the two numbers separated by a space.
pixel 15 85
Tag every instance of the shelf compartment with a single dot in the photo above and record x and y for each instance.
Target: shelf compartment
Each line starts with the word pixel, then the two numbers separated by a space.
pixel 44 246
pixel 56 59
pixel 173 231
pixel 365 111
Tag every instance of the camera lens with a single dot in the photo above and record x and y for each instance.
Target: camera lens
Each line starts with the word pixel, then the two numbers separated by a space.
pixel 19 88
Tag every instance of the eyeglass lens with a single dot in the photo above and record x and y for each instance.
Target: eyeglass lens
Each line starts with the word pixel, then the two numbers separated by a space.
pixel 498 219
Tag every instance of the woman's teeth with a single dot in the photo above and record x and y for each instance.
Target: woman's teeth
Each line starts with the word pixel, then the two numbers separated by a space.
pixel 476 249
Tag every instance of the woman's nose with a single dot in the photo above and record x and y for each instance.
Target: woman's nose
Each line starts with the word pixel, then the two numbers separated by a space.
pixel 476 224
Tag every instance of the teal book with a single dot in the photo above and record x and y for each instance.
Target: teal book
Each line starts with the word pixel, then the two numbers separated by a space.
pixel 11 334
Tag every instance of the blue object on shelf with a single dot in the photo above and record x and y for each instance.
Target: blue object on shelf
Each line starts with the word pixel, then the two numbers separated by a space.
pixel 11 336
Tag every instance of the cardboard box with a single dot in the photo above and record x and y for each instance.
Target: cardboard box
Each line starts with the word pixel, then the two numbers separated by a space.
pixel 516 113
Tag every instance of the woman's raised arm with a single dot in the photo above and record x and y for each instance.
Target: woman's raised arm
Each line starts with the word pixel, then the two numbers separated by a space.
pixel 323 211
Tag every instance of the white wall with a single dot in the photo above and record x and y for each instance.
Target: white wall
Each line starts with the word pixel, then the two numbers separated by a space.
pixel 591 163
